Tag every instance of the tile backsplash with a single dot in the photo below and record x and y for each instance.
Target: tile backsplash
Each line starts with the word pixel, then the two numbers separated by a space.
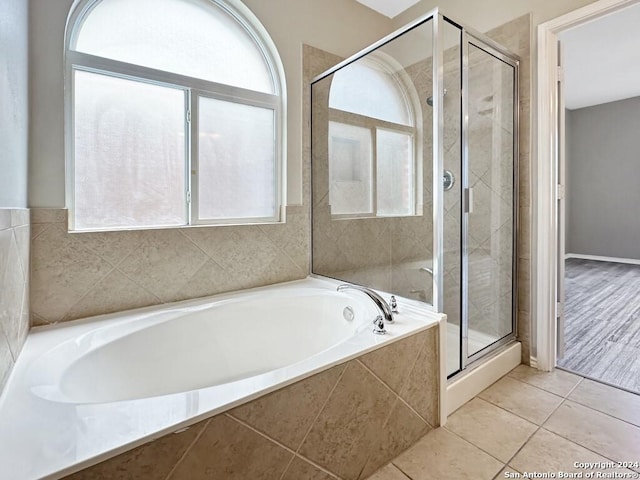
pixel 76 275
pixel 14 286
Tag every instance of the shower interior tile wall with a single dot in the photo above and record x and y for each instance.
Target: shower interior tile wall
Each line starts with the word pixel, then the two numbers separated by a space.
pixel 14 287
pixel 485 307
pixel 516 36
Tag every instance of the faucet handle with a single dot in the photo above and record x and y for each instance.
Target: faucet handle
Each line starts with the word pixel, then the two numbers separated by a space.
pixel 393 303
pixel 379 329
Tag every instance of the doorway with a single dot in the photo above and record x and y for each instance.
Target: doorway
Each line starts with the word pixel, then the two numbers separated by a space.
pixel 597 311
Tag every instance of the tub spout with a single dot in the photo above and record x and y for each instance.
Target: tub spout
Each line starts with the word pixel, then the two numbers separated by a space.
pixel 380 302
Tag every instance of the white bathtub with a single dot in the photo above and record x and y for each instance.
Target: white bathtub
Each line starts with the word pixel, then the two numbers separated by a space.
pixel 90 389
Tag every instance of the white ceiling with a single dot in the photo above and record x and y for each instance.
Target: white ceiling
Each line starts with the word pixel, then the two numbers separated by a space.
pixel 390 8
pixel 602 60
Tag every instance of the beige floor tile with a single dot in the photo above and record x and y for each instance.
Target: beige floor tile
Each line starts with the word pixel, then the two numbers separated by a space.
pixel 388 472
pixel 524 400
pixel 596 431
pixel 508 472
pixel 491 428
pixel 558 382
pixel 440 454
pixel 548 452
pixel 606 399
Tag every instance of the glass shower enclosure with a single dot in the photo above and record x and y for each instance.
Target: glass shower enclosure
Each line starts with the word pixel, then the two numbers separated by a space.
pixel 414 177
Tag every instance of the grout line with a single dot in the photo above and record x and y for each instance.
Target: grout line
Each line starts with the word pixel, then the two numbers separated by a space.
pixel 581 445
pixel 478 447
pixel 85 294
pixel 195 244
pixel 401 471
pixel 397 395
pixel 284 472
pixel 262 434
pixel 188 449
pixel 324 404
pixel 604 413
pixel 32 238
pixel 319 467
pixel 281 248
pixel 536 431
pixel 597 380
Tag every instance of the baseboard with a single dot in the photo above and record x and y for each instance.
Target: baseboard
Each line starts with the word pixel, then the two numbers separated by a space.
pixel 632 261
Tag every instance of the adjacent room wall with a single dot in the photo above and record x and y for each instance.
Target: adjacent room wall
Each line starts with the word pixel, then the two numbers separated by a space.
pixel 603 166
pixel 14 218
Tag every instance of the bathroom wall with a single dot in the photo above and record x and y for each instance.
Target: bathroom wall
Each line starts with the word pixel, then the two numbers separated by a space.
pixel 328 24
pixel 603 168
pixel 14 286
pixel 14 111
pixel 341 424
pixel 82 274
pixel 488 14
pixel 14 218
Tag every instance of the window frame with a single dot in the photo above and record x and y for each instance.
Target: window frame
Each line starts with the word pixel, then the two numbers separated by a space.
pixel 194 89
pixel 407 90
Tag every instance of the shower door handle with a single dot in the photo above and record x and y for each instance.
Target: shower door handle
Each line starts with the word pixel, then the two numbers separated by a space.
pixel 468 200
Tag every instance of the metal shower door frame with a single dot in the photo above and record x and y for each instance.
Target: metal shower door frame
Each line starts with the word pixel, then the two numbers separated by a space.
pixel 470 37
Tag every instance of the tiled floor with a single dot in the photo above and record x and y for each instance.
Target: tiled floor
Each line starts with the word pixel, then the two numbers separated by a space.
pixel 530 421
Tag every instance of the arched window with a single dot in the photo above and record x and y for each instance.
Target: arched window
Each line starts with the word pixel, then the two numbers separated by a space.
pixel 175 115
pixel 373 118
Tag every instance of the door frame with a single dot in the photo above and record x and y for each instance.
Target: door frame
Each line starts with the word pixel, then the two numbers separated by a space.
pixel 545 221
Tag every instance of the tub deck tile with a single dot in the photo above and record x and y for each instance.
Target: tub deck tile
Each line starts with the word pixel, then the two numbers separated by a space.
pixel 287 414
pixel 229 450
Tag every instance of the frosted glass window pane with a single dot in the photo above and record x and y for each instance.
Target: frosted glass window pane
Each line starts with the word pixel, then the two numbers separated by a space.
pixel 350 169
pixel 395 173
pixel 190 37
pixel 129 161
pixel 237 169
pixel 365 88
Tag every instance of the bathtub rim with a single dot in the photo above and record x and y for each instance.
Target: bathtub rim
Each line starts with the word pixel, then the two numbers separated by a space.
pixel 427 319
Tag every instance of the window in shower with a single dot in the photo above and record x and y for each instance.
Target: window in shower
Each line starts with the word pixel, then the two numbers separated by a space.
pixel 372 158
pixel 172 122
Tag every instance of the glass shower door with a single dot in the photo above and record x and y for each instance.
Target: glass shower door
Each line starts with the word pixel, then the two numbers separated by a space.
pixel 490 193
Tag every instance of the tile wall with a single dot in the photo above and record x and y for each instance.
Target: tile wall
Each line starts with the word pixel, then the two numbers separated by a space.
pixel 385 252
pixel 14 286
pixel 75 275
pixel 394 246
pixel 341 424
pixel 516 36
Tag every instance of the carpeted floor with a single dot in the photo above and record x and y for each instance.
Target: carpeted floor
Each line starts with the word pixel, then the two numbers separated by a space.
pixel 602 325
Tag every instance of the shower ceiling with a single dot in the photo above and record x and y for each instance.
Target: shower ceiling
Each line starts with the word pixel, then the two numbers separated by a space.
pixel 389 8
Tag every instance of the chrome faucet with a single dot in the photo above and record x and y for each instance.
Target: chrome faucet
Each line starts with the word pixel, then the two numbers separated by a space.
pixel 383 306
